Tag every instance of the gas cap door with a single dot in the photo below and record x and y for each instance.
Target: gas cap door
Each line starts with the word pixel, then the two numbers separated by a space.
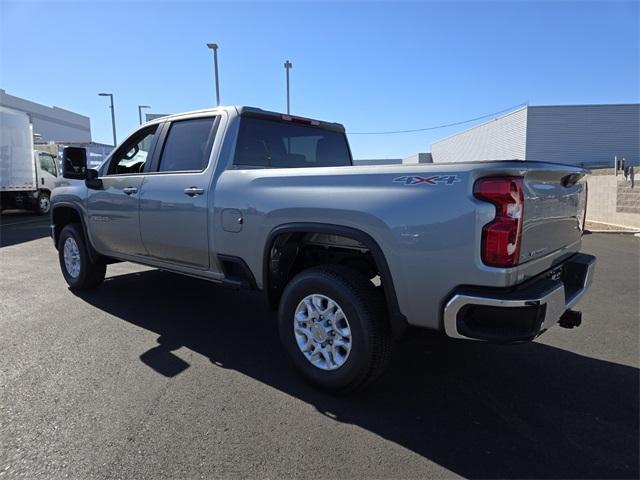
pixel 232 220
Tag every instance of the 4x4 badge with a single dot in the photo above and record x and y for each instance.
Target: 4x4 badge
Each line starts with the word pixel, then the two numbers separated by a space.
pixel 433 180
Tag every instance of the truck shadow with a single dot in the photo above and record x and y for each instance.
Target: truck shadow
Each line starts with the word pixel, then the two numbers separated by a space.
pixel 19 226
pixel 481 411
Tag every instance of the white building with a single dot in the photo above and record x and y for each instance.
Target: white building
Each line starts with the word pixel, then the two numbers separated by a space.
pixel 51 124
pixel 412 160
pixel 588 135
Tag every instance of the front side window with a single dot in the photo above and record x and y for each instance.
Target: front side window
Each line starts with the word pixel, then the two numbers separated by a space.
pixel 132 156
pixel 188 145
pixel 48 163
pixel 282 144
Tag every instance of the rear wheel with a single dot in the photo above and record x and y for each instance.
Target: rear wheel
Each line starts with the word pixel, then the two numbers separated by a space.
pixel 76 265
pixel 332 324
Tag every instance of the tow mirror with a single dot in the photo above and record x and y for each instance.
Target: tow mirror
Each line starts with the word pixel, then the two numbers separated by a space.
pixel 74 163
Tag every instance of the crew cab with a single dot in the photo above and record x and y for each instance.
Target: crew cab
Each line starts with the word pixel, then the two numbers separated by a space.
pixel 350 256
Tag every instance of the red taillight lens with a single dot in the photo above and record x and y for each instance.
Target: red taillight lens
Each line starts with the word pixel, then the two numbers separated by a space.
pixel 501 238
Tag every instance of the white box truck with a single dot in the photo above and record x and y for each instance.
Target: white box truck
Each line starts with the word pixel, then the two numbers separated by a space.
pixel 27 175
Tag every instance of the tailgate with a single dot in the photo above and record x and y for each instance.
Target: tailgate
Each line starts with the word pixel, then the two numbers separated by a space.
pixel 554 206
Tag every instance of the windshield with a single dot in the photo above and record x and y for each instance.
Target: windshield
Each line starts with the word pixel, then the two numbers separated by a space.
pixel 282 144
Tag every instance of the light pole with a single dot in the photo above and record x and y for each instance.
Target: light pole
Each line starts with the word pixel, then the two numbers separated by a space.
pixel 140 107
pixel 214 47
pixel 287 66
pixel 113 116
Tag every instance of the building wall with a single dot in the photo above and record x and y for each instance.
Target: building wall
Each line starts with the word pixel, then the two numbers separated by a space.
pixel 602 202
pixel 501 139
pixel 583 134
pixel 377 161
pixel 53 124
pixel 588 135
pixel 417 159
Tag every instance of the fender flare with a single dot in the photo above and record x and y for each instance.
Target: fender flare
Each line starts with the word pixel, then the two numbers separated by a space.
pixel 397 320
pixel 93 253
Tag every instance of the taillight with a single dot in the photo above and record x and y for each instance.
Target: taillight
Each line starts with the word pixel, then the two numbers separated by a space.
pixel 502 237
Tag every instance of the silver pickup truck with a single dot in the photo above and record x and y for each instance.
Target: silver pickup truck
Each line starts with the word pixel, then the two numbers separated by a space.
pixel 350 256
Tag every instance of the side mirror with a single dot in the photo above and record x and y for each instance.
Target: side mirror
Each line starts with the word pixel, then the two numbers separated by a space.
pixel 92 181
pixel 74 163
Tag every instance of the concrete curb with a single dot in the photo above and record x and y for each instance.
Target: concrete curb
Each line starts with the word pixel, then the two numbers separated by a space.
pixel 632 232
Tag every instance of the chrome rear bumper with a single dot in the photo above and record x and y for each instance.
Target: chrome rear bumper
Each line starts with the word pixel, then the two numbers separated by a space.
pixel 522 313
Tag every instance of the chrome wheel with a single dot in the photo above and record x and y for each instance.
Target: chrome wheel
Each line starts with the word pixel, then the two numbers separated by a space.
pixel 322 332
pixel 71 257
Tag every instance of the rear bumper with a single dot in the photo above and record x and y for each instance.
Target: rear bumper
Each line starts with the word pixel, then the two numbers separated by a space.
pixel 522 313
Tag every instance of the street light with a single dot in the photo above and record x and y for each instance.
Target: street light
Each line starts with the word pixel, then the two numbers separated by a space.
pixel 113 116
pixel 140 107
pixel 214 47
pixel 287 66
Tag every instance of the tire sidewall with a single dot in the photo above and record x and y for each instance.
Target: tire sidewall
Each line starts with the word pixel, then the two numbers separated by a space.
pixel 38 209
pixel 74 232
pixel 357 364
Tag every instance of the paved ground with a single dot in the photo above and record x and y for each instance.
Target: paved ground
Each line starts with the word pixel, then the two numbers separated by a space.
pixel 159 376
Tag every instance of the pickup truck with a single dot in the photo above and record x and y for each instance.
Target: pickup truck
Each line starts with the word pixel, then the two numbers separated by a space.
pixel 350 256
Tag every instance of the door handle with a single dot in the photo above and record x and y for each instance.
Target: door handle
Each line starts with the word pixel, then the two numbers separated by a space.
pixel 130 190
pixel 193 191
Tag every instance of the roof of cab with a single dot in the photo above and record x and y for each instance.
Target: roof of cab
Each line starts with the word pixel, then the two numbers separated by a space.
pixel 246 111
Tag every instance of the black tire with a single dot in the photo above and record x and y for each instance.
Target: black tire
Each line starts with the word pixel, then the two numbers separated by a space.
pixel 43 203
pixel 366 313
pixel 91 274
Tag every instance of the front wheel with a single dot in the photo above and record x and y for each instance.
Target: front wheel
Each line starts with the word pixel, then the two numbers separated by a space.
pixel 76 265
pixel 43 203
pixel 332 324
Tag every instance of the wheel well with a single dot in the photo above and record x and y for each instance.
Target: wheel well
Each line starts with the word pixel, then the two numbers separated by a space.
pixel 61 217
pixel 290 251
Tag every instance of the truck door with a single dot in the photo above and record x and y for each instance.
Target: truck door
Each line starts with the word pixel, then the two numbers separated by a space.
pixel 47 170
pixel 174 214
pixel 113 210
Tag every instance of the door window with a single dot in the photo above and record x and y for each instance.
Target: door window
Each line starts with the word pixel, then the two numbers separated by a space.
pixel 188 146
pixel 132 156
pixel 48 163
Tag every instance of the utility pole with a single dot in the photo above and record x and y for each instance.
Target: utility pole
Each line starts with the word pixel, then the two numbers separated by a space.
pixel 140 107
pixel 113 116
pixel 214 47
pixel 287 66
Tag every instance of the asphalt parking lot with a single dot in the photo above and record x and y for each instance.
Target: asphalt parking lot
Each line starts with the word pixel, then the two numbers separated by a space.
pixel 160 376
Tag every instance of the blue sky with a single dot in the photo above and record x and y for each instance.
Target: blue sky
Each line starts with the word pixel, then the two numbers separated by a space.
pixel 373 66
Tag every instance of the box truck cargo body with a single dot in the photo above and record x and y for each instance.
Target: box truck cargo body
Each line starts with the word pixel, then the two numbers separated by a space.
pixel 27 175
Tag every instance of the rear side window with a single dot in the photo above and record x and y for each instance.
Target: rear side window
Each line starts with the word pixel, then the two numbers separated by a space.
pixel 187 146
pixel 281 144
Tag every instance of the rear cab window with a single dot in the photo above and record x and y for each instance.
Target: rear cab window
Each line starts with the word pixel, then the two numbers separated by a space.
pixel 273 143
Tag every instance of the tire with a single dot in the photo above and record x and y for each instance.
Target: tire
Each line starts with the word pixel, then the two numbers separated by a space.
pixel 43 204
pixel 353 364
pixel 80 272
